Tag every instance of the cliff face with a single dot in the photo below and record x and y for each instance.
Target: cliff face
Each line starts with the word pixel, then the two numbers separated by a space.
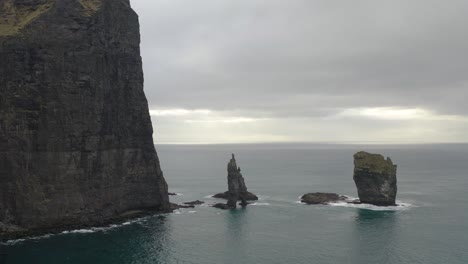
pixel 76 143
pixel 375 179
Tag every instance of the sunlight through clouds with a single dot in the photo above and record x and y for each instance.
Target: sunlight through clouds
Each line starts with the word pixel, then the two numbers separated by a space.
pixel 397 113
pixel 179 112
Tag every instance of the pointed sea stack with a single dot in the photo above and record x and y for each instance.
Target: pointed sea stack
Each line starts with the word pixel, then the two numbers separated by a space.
pixel 237 190
pixel 375 179
pixel 76 146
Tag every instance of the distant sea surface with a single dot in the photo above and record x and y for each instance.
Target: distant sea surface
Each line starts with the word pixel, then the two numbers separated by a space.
pixel 430 226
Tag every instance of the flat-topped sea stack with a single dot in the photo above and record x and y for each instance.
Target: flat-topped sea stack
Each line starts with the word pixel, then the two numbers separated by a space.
pixel 76 146
pixel 237 190
pixel 375 179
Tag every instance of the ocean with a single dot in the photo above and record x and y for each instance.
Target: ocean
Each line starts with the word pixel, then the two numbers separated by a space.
pixel 429 226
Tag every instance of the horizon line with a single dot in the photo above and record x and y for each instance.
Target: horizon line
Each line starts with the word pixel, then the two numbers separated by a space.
pixel 314 142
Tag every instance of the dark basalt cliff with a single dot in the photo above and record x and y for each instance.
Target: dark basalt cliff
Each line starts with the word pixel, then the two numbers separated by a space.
pixel 375 179
pixel 76 145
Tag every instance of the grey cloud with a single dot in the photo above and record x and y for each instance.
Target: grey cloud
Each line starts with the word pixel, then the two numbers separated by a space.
pixel 304 58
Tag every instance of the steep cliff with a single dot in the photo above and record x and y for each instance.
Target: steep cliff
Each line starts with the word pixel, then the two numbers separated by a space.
pixel 76 143
pixel 375 179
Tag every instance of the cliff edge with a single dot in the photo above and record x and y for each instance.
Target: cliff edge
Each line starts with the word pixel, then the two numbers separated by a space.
pixel 76 146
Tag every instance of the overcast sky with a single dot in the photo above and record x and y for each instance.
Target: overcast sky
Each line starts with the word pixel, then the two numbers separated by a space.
pixel 239 71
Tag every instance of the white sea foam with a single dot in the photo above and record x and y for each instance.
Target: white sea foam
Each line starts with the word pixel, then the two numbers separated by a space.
pixel 401 206
pixel 192 212
pixel 78 231
pixel 349 199
pixel 260 203
pixel 12 242
pixel 263 197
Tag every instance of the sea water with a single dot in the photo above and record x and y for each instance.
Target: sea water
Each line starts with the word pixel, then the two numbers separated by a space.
pixel 430 225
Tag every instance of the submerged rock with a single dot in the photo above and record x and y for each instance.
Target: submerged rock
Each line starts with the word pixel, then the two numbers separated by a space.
pixel 375 179
pixel 237 190
pixel 76 146
pixel 321 198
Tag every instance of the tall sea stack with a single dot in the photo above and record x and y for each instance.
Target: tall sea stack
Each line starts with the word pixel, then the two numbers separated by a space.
pixel 236 184
pixel 76 145
pixel 237 190
pixel 375 179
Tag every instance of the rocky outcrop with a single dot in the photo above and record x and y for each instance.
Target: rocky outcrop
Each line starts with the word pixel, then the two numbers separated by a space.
pixel 375 179
pixel 248 196
pixel 237 190
pixel 76 145
pixel 321 198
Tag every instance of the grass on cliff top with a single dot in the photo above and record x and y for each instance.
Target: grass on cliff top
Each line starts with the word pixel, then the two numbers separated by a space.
pixel 91 6
pixel 13 18
pixel 373 162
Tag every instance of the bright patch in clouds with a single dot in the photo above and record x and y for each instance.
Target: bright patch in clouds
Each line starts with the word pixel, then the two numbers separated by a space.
pixel 203 116
pixel 179 112
pixel 396 113
pixel 366 124
pixel 226 120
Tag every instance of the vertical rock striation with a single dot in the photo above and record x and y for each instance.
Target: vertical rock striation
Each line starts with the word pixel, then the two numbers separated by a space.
pixel 76 143
pixel 237 190
pixel 375 179
pixel 236 184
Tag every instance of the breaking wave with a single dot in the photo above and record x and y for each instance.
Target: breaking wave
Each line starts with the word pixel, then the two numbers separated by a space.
pixel 401 206
pixel 76 231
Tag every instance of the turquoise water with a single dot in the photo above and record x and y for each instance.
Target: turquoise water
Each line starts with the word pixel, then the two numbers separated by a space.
pixel 432 227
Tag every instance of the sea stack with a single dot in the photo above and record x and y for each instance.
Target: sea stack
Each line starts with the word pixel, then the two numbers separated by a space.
pixel 375 179
pixel 237 190
pixel 76 146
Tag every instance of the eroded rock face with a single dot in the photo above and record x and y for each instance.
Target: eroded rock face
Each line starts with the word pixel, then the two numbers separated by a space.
pixel 237 190
pixel 321 198
pixel 375 179
pixel 76 143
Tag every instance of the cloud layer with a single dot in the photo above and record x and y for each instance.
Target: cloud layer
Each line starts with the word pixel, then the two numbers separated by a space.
pixel 306 70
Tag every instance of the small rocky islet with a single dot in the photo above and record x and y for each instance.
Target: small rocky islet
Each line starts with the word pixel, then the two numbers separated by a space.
pixel 321 198
pixel 375 179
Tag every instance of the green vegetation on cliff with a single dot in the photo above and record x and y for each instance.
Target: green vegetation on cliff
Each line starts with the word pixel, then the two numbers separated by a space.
pixel 373 162
pixel 91 6
pixel 15 17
